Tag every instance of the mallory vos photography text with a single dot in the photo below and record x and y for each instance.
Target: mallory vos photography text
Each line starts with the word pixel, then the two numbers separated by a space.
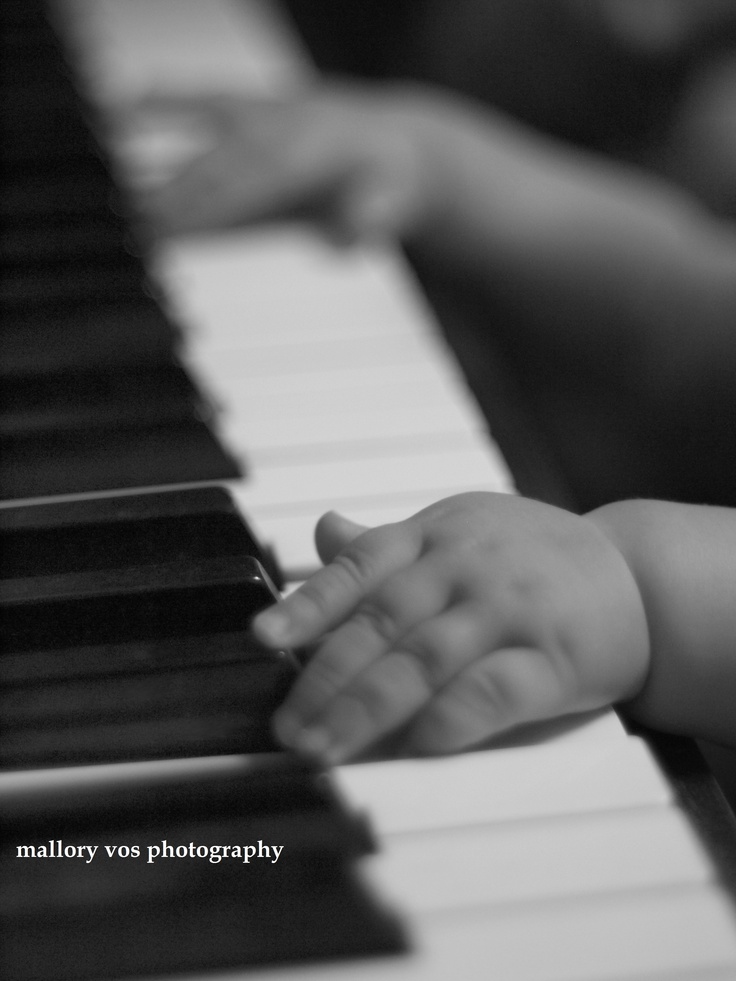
pixel 152 853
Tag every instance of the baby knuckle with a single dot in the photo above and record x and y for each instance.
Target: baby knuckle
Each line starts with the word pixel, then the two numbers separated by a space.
pixel 324 679
pixel 365 558
pixel 355 565
pixel 450 724
pixel 368 698
pixel 427 653
pixel 377 618
pixel 489 694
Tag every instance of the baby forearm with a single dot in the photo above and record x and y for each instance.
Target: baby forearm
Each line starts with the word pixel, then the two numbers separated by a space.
pixel 581 247
pixel 683 558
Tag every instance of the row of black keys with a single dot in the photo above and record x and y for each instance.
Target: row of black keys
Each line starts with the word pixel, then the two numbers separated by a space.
pixel 92 392
pixel 139 912
pixel 125 631
pixel 126 639
pixel 125 619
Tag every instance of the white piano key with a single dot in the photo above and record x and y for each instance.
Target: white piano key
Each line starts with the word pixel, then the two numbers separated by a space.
pixel 233 372
pixel 274 439
pixel 504 785
pixel 252 421
pixel 723 973
pixel 379 448
pixel 534 860
pixel 288 391
pixel 249 286
pixel 264 411
pixel 307 355
pixel 344 421
pixel 438 474
pixel 395 388
pixel 292 534
pixel 368 487
pixel 631 936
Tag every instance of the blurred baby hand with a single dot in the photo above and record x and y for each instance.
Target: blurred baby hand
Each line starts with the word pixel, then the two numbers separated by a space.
pixel 478 614
pixel 352 159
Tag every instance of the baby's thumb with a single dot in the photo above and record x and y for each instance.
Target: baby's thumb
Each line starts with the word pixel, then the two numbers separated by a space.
pixel 333 533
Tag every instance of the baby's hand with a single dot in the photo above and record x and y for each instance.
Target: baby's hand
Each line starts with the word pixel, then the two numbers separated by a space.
pixel 478 614
pixel 355 160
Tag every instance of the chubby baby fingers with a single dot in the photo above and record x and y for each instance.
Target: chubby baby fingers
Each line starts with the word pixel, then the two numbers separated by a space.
pixel 329 596
pixel 503 689
pixel 382 697
pixel 375 627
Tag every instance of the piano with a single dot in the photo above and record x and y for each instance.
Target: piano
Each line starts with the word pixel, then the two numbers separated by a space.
pixel 293 377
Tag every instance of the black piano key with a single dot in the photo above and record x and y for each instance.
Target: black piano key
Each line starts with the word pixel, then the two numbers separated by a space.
pixel 280 784
pixel 114 277
pixel 72 461
pixel 34 58
pixel 81 337
pixel 34 103
pixel 39 65
pixel 35 65
pixel 61 238
pixel 267 924
pixel 44 889
pixel 81 307
pixel 24 27
pixel 119 605
pixel 185 504
pixel 329 917
pixel 92 660
pixel 130 687
pixel 249 684
pixel 214 733
pixel 125 631
pixel 127 530
pixel 59 144
pixel 42 116
pixel 221 709
pixel 307 904
pixel 56 148
pixel 67 188
pixel 115 881
pixel 31 13
pixel 89 400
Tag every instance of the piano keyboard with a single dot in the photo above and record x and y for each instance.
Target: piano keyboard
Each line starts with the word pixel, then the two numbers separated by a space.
pixel 560 855
pixel 336 391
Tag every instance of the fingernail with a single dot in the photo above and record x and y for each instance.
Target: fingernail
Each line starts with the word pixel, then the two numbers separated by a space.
pixel 272 627
pixel 314 741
